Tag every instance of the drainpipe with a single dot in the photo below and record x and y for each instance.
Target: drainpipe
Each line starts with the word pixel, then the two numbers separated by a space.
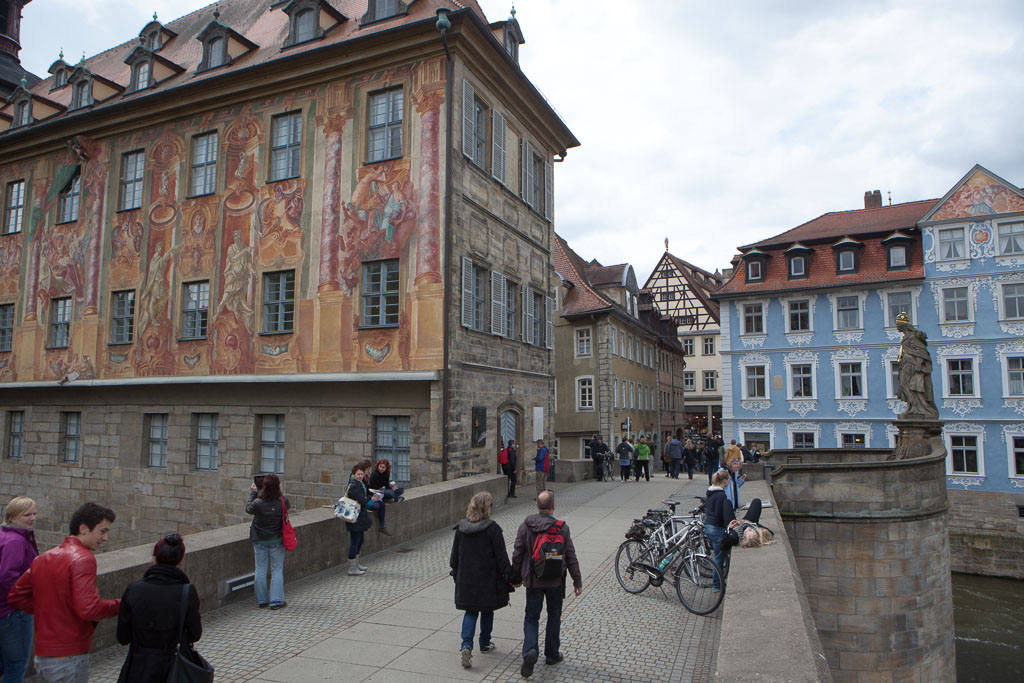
pixel 443 24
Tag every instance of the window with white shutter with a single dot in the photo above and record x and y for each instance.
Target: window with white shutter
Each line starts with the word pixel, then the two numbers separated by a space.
pixel 548 188
pixel 527 323
pixel 526 168
pixel 498 147
pixel 467 292
pixel 498 319
pixel 549 325
pixel 531 315
pixel 468 119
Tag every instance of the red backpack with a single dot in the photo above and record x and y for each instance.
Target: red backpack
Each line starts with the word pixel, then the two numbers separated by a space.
pixel 549 553
pixel 503 456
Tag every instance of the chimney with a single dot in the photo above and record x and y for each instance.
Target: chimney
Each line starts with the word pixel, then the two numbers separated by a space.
pixel 873 199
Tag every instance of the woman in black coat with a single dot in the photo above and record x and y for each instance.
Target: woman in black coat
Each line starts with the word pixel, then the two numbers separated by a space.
pixel 690 457
pixel 483 575
pixel 148 618
pixel 358 491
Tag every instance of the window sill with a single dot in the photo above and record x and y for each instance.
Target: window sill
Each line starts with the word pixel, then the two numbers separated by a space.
pixel 55 348
pixel 201 194
pixel 368 162
pixel 275 334
pixel 121 343
pixel 278 180
pixel 73 220
pixel 391 326
pixel 128 208
pixel 12 232
pixel 189 339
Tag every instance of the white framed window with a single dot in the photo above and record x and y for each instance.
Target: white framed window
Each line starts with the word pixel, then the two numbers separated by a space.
pixel 1012 301
pixel 632 395
pixel 585 393
pixel 952 244
pixel 614 338
pixel 70 436
pixel 1013 434
pixel 60 322
pixel 853 440
pixel 583 342
pixel 801 440
pixel 755 381
pixel 629 347
pixel 848 313
pixel 271 444
pixel 285 146
pixel 801 381
pixel 1011 239
pixel 892 379
pixel 798 316
pixel 206 441
pixel 710 380
pixel 195 308
pixel 15 434
pixel 204 164
pixel 14 207
pixel 709 346
pixel 122 317
pixel 753 317
pixel 689 380
pixel 965 451
pixel 960 375
pixel 797 266
pixel 956 304
pixel 392 442
pixel 279 300
pixel 897 256
pixel 851 382
pixel 156 442
pixel 6 327
pixel 803 434
pixel 896 303
pixel 688 346
pixel 755 271
pixel 67 206
pixel 385 127
pixel 1013 386
pixel 132 168
pixel 615 394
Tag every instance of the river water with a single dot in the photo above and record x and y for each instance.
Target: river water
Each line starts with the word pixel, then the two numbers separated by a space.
pixel 989 617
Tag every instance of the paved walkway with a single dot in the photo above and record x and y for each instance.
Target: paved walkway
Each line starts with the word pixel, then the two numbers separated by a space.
pixel 398 623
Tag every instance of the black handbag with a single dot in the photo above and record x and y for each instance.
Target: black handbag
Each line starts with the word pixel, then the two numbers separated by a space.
pixel 730 539
pixel 189 666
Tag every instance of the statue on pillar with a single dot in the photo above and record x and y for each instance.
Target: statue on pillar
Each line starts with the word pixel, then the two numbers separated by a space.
pixel 915 373
pixel 920 431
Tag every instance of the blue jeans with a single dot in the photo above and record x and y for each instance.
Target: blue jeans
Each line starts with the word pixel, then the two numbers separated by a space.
pixel 535 598
pixel 673 467
pixel 715 534
pixel 15 646
pixel 273 554
pixel 355 543
pixel 393 495
pixel 71 669
pixel 469 628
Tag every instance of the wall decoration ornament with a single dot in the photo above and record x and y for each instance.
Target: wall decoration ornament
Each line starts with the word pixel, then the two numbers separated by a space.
pixel 896 406
pixel 752 341
pixel 744 427
pixel 802 407
pixel 1017 483
pixel 958 350
pixel 851 406
pixel 964 481
pixel 755 406
pixel 1015 404
pixel 798 339
pixel 961 406
pixel 849 337
pixel 957 330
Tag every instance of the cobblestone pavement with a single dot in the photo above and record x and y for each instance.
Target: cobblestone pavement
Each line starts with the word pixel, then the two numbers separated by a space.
pixel 398 623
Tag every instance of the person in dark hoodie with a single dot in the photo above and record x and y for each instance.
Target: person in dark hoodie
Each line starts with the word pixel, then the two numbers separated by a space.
pixel 719 516
pixel 150 609
pixel 541 590
pixel 483 575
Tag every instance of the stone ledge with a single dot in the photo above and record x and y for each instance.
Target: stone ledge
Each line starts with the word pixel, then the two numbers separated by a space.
pixel 226 553
pixel 768 632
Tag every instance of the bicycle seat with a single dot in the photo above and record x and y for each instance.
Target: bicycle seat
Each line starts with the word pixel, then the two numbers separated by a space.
pixel 649 522
pixel 670 503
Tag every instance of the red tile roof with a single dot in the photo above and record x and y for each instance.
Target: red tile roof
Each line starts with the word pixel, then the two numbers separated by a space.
pixel 857 222
pixel 582 298
pixel 700 286
pixel 265 27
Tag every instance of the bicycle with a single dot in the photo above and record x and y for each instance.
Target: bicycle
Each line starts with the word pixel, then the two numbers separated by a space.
pixel 650 552
pixel 606 467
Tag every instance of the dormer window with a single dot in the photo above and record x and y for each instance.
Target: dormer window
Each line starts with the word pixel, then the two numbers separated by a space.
pixel 154 35
pixel 217 54
pixel 847 261
pixel 755 271
pixel 797 266
pixel 23 113
pixel 305 26
pixel 513 37
pixel 152 40
pixel 82 94
pixel 511 45
pixel 61 78
pixel 141 73
pixel 378 10
pixel 897 256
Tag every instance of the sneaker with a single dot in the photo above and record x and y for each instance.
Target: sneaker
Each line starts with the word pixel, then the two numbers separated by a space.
pixel 384 530
pixel 280 605
pixel 263 605
pixel 399 499
pixel 529 659
pixel 467 658
pixel 553 660
pixel 489 647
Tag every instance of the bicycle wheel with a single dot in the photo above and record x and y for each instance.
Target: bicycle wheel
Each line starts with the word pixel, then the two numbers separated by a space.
pixel 695 577
pixel 633 579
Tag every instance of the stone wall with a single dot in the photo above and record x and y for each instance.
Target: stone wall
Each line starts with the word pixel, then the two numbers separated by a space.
pixel 986 533
pixel 870 540
pixel 216 556
pixel 328 428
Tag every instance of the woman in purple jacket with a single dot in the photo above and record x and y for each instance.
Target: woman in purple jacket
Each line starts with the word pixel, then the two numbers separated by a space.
pixel 17 550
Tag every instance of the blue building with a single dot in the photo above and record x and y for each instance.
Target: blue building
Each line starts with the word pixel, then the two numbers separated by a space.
pixel 809 342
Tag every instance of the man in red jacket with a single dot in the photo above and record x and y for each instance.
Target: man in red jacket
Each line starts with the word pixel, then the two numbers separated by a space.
pixel 59 588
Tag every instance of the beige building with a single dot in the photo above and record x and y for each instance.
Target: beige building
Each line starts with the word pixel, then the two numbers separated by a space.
pixel 273 237
pixel 607 355
pixel 682 291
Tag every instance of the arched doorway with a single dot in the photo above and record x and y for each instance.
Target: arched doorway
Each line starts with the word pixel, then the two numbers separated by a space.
pixel 509 427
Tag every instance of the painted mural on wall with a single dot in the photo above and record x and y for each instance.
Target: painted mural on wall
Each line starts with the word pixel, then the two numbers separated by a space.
pixel 229 239
pixel 979 196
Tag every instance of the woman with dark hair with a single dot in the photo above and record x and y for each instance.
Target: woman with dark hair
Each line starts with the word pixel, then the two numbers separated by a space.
pixel 265 533
pixel 380 481
pixel 150 609
pixel 358 492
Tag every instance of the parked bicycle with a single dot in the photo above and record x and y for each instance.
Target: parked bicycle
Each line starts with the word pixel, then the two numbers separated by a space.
pixel 665 544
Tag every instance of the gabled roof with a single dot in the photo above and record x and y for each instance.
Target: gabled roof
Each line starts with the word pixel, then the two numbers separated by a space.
pixel 700 287
pixel 979 193
pixel 607 275
pixel 837 224
pixel 582 298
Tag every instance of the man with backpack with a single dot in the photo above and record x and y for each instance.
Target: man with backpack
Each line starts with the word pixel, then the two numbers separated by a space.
pixel 542 556
pixel 542 465
pixel 507 460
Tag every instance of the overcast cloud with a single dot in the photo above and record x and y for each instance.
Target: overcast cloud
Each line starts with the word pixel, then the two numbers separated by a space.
pixel 719 124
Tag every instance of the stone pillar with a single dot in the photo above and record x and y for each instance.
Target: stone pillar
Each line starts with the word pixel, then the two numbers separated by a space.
pixel 871 543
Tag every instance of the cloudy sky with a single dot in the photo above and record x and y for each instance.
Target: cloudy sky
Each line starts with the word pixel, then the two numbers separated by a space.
pixel 716 124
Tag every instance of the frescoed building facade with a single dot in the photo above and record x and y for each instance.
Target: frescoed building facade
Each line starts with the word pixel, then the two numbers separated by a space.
pixel 607 356
pixel 811 348
pixel 274 237
pixel 683 291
